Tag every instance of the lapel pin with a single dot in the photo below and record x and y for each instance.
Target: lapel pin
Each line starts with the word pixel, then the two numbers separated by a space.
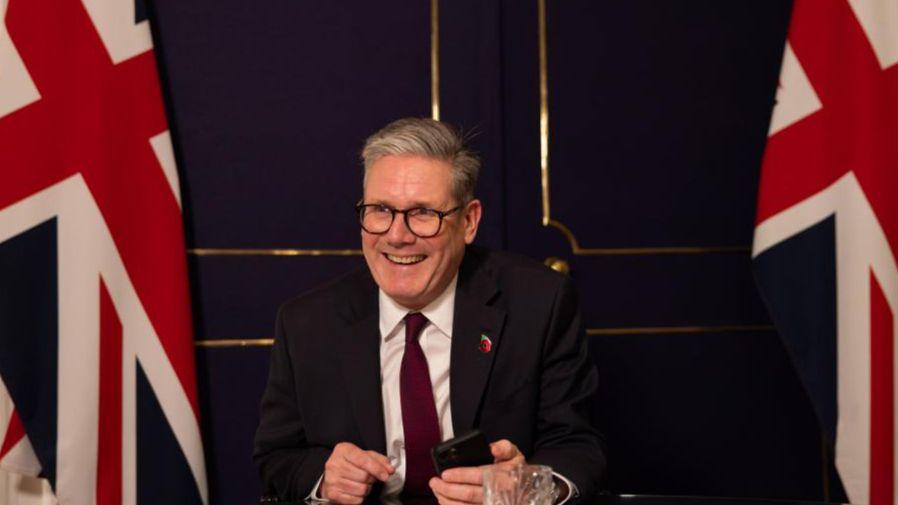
pixel 486 344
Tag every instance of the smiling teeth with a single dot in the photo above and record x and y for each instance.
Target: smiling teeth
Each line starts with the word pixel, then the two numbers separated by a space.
pixel 405 260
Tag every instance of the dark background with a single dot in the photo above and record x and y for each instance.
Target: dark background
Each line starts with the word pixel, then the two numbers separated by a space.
pixel 658 112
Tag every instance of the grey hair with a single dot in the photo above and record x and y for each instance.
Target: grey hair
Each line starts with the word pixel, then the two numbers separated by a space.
pixel 430 139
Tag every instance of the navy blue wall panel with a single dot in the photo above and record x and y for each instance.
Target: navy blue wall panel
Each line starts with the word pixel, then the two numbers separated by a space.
pixel 667 290
pixel 271 102
pixel 237 296
pixel 658 114
pixel 231 383
pixel 727 416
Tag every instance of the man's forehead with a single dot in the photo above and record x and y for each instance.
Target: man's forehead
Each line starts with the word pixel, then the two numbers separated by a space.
pixel 423 165
pixel 413 180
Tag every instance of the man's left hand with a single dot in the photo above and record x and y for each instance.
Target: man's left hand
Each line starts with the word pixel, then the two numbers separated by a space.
pixel 464 485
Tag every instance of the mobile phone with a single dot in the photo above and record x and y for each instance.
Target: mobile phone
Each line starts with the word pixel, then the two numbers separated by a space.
pixel 467 449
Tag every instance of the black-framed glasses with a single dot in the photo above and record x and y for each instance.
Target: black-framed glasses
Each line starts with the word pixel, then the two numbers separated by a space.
pixel 421 221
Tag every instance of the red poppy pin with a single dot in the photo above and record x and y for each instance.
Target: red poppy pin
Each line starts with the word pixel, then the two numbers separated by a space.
pixel 486 345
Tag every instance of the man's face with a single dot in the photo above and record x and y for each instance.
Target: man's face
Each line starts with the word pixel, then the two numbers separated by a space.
pixel 410 269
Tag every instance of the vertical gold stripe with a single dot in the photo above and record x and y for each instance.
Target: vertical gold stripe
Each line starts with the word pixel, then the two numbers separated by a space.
pixel 824 462
pixel 543 112
pixel 435 59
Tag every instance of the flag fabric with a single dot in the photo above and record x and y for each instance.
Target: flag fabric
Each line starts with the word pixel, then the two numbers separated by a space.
pixel 827 228
pixel 21 487
pixel 97 375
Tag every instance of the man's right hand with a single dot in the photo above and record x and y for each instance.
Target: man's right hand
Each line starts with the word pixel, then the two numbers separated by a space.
pixel 350 471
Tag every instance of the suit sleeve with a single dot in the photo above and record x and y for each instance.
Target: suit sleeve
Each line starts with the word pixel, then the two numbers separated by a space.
pixel 566 439
pixel 288 465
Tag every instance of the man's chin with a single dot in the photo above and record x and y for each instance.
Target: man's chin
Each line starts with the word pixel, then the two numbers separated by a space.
pixel 407 286
pixel 407 300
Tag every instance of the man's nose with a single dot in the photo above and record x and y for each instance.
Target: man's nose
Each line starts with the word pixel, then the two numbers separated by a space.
pixel 399 232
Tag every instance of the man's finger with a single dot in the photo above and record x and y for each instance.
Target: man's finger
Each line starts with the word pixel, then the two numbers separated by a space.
pixel 341 497
pixel 371 466
pixel 440 488
pixel 344 448
pixel 344 469
pixel 333 492
pixel 353 488
pixel 503 450
pixel 382 460
pixel 443 500
pixel 340 465
pixel 464 475
pixel 463 493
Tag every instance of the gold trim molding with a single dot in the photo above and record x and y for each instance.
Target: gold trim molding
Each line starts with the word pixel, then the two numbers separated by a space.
pixel 435 59
pixel 544 114
pixel 678 329
pixel 648 330
pixel 211 251
pixel 229 342
pixel 547 220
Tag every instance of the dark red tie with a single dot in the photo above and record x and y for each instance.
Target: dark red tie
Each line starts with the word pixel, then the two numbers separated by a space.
pixel 419 412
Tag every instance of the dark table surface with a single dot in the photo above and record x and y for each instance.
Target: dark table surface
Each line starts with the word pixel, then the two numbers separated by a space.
pixel 692 500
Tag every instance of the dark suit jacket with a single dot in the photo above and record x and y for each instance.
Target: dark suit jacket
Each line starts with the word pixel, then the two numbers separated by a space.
pixel 533 388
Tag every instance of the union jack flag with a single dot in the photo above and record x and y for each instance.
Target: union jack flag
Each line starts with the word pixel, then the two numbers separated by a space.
pixel 827 228
pixel 97 380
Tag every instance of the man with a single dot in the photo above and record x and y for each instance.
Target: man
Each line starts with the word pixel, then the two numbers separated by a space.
pixel 436 337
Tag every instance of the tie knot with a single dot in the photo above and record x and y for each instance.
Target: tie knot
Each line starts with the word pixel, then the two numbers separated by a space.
pixel 414 323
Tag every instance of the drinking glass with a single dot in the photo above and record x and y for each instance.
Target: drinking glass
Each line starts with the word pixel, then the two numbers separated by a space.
pixel 518 485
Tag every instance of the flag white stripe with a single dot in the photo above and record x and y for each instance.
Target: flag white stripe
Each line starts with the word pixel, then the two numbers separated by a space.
pixel 162 147
pixel 795 97
pixel 879 20
pixel 18 89
pixel 80 243
pixel 853 363
pixel 114 21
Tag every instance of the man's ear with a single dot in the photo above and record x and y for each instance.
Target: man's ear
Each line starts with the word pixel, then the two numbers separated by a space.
pixel 472 213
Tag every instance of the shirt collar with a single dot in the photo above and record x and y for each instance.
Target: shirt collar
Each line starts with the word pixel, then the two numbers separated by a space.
pixel 439 312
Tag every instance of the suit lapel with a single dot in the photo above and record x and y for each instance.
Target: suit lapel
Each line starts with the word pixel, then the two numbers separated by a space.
pixel 360 363
pixel 470 366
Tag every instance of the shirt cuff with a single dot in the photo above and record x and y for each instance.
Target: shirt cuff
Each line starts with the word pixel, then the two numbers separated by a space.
pixel 315 496
pixel 572 493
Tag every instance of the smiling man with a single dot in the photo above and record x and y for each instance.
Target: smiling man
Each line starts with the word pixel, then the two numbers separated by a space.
pixel 434 338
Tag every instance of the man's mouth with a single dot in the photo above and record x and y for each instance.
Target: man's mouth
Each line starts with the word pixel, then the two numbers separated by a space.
pixel 405 260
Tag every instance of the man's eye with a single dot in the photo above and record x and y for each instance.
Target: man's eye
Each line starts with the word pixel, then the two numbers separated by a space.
pixel 380 209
